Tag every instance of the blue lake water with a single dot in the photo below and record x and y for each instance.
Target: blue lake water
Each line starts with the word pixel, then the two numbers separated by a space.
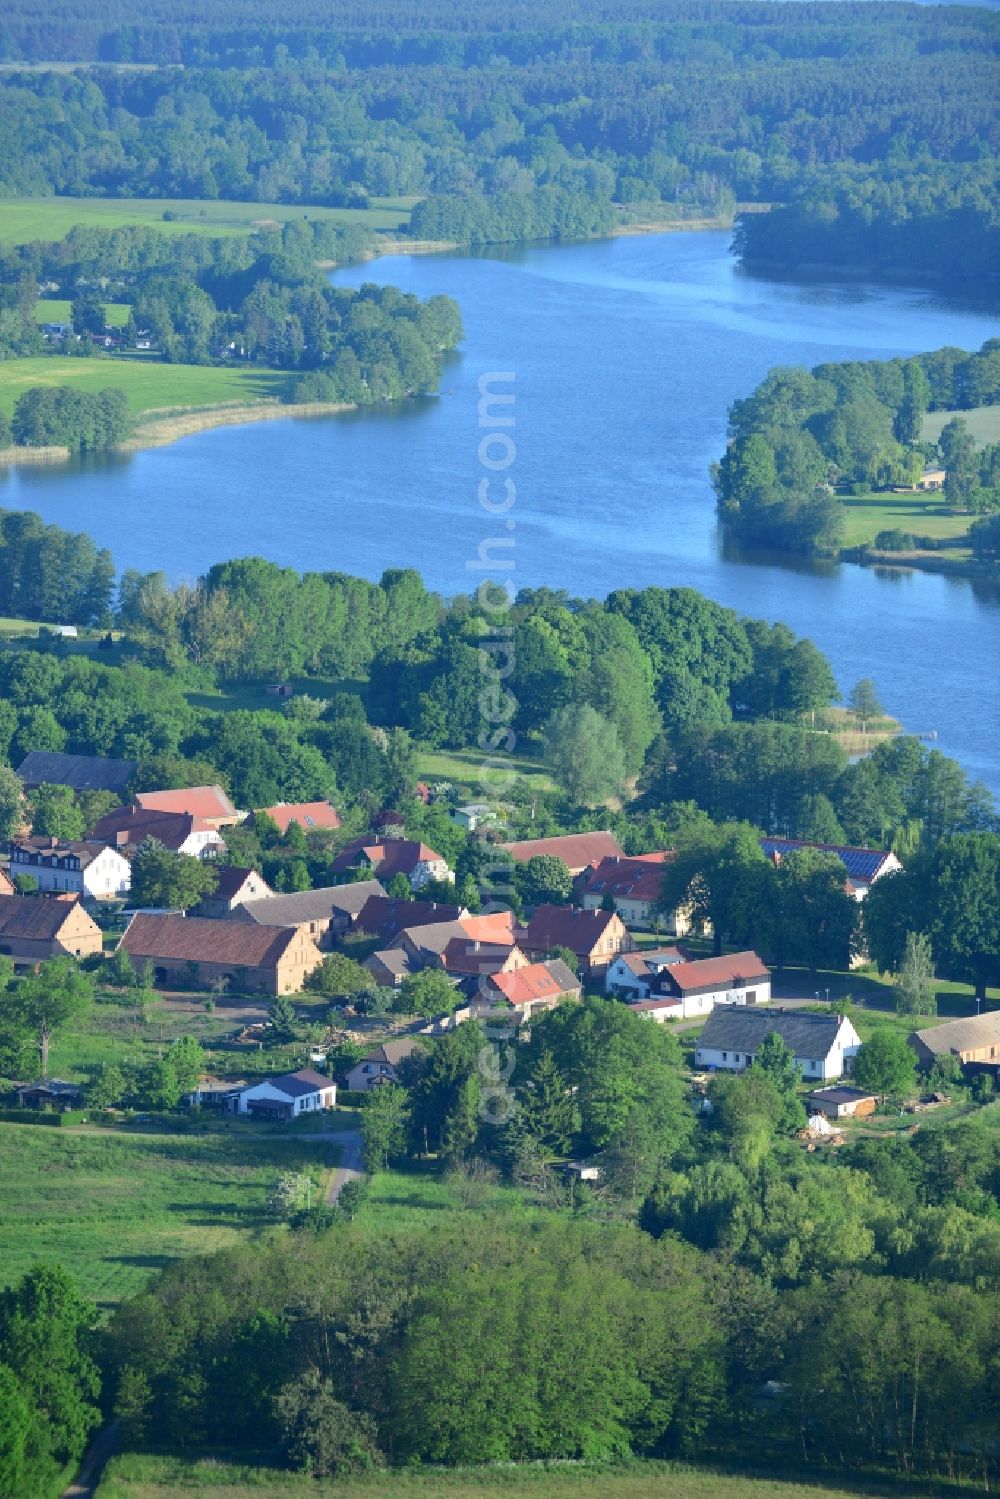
pixel 626 353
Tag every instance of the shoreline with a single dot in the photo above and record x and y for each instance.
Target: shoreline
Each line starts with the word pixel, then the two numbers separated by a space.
pixel 159 427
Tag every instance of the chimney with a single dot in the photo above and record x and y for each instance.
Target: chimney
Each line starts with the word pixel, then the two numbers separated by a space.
pixel 53 841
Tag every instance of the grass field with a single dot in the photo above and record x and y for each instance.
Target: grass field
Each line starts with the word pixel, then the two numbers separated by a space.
pixel 920 514
pixel 982 421
pixel 149 386
pixel 116 1208
pixel 26 219
pixel 55 310
pixel 133 1477
pixel 465 767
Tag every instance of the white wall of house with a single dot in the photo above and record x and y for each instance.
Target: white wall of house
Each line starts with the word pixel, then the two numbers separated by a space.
pixel 837 1062
pixel 104 878
pixel 206 843
pixel 321 1099
pixel 427 870
pixel 702 1004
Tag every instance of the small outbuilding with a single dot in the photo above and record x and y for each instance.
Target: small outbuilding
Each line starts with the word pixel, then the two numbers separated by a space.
pixel 842 1103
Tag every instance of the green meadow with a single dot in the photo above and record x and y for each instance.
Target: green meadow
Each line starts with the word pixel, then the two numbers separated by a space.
pixel 982 421
pixel 26 219
pixel 150 386
pixel 920 514
pixel 57 310
pixel 133 1477
pixel 116 1207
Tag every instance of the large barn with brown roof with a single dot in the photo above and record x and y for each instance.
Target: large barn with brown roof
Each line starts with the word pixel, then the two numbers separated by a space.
pixel 576 850
pixel 267 959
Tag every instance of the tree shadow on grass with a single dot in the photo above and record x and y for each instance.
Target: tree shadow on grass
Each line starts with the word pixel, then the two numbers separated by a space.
pixel 142 1261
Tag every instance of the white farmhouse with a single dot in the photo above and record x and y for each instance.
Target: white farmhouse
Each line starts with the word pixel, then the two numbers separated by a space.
pixel 288 1096
pixel 82 867
pixel 824 1046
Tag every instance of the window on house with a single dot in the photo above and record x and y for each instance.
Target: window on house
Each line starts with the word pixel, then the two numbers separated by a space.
pixel 725 1056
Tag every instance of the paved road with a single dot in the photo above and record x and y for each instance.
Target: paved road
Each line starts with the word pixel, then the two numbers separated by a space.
pixel 351 1166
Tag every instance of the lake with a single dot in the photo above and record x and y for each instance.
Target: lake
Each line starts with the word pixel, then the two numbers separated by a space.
pixel 626 355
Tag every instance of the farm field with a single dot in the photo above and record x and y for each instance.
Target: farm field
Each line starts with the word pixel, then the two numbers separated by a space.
pixel 116 1208
pixel 982 421
pixel 921 514
pixel 57 310
pixel 140 1477
pixel 149 386
pixel 465 767
pixel 26 219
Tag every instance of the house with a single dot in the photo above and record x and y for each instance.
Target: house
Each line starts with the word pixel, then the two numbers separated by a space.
pixel 322 914
pixel 310 816
pixel 429 941
pixel 50 1093
pixel 634 887
pixel 79 866
pixel 267 959
pixel 127 827
pixel 975 1041
pixel 33 928
pixel 380 1065
pixel 577 850
pixel 664 1007
pixel 468 959
pixel 236 887
pixel 739 978
pixel 931 478
pixel 594 937
pixel 79 772
pixel 863 865
pixel 824 1046
pixel 632 974
pixel 582 1171
pixel 531 989
pixel 391 856
pixel 286 1097
pixel 390 966
pixel 385 918
pixel 841 1103
pixel 212 1093
pixel 208 804
pixel 472 816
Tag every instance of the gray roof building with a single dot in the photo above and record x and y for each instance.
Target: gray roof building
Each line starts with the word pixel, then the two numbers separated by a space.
pixel 81 772
pixel 976 1039
pixel 823 1045
pixel 310 905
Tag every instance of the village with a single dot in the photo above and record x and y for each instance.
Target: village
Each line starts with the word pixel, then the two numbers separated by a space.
pixel 244 946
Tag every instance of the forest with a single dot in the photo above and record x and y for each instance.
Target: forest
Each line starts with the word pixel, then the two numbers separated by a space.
pixel 511 131
pixel 805 438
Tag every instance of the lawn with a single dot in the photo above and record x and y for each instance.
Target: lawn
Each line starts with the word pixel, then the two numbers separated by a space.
pixel 982 421
pixel 26 219
pixel 116 1207
pixel 150 386
pixel 54 310
pixel 133 1477
pixel 919 514
pixel 466 767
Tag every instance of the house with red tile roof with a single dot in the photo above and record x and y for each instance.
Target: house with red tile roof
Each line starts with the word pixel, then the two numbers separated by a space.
pixel 634 885
pixel 384 917
pixel 531 989
pixel 594 937
pixel 633 975
pixel 209 804
pixel 577 850
pixel 386 857
pixel 36 927
pixel 311 816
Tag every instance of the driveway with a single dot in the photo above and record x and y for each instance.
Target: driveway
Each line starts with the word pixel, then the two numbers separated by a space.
pixel 351 1166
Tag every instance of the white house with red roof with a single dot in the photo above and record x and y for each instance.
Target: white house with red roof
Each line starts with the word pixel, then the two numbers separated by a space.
pixel 386 857
pixel 633 975
pixel 738 978
pixel 209 804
